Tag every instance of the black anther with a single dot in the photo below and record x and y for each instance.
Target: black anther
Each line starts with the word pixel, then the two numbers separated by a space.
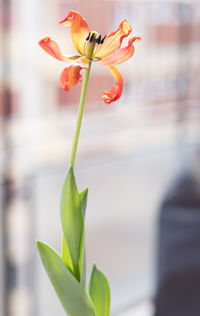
pixel 98 39
pixel 103 39
pixel 92 37
pixel 88 37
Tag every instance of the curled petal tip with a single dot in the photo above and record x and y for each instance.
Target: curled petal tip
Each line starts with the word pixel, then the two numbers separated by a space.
pixel 126 27
pixel 79 30
pixel 136 38
pixel 106 98
pixel 68 20
pixel 112 95
pixel 65 23
pixel 45 39
pixel 116 91
pixel 114 40
pixel 66 88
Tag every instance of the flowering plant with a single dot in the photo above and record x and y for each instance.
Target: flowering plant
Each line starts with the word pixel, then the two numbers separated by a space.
pixel 67 271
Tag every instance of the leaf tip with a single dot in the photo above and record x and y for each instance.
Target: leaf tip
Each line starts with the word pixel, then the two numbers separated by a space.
pixel 38 243
pixel 86 191
pixel 94 265
pixel 71 170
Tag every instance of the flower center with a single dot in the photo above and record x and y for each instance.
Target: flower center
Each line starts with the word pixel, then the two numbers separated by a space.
pixel 93 39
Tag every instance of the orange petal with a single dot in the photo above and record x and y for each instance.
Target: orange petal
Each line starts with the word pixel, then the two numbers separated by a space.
pixel 79 30
pixel 70 77
pixel 116 91
pixel 52 48
pixel 119 55
pixel 114 40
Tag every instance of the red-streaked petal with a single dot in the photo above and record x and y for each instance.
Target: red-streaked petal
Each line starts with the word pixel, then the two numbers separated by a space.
pixel 70 77
pixel 52 48
pixel 114 40
pixel 79 30
pixel 120 55
pixel 116 91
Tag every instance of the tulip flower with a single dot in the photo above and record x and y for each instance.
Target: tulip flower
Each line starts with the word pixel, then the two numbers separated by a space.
pixel 67 271
pixel 92 47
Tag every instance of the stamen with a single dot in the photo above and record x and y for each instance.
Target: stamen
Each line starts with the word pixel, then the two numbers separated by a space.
pixel 98 40
pixel 103 39
pixel 92 37
pixel 88 37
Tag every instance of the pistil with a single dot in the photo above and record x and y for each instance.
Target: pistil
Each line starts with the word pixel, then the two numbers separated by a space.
pixel 90 45
pixel 92 39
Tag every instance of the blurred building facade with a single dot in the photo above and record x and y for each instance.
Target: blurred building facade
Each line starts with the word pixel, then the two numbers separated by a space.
pixel 159 109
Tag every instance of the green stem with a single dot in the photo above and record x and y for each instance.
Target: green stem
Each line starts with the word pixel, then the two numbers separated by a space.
pixel 80 115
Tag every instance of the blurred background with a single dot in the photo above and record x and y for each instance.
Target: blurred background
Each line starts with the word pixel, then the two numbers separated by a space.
pixel 128 151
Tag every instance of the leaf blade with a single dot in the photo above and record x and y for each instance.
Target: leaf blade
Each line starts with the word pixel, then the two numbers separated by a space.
pixel 83 196
pixel 66 257
pixel 72 220
pixel 99 291
pixel 72 295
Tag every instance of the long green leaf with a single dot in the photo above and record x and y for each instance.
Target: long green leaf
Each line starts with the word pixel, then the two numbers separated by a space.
pixel 72 220
pixel 72 295
pixel 99 291
pixel 66 257
pixel 83 196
